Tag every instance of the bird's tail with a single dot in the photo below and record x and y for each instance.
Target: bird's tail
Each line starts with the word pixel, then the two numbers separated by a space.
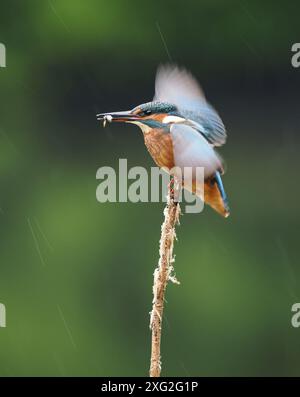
pixel 215 196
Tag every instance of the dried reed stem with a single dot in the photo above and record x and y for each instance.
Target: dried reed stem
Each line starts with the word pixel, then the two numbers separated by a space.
pixel 162 274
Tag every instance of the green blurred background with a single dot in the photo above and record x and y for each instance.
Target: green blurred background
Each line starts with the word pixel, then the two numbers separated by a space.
pixel 76 275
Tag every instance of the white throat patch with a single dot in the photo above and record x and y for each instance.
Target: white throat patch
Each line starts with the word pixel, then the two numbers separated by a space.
pixel 172 119
pixel 145 128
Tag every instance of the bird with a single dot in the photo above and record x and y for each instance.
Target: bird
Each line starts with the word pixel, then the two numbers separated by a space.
pixel 181 129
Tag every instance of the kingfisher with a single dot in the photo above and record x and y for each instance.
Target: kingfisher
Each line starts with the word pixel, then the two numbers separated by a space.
pixel 181 129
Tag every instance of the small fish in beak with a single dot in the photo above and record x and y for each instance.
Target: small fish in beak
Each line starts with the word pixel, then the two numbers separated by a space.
pixel 107 118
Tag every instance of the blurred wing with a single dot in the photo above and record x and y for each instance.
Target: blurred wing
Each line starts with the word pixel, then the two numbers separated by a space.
pixel 179 87
pixel 191 149
pixel 210 124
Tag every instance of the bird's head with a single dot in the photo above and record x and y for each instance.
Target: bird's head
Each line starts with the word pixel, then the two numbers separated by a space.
pixel 147 115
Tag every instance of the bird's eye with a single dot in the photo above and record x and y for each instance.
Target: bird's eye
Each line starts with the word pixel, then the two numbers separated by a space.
pixel 145 113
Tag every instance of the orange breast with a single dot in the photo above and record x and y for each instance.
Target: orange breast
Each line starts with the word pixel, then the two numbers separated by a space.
pixel 159 145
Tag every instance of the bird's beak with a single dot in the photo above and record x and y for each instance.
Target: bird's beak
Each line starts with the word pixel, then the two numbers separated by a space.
pixel 126 116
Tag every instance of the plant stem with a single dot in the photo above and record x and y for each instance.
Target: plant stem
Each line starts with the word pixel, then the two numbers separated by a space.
pixel 162 274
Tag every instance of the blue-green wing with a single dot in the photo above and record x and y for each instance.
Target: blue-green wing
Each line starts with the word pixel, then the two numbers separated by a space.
pixel 179 87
